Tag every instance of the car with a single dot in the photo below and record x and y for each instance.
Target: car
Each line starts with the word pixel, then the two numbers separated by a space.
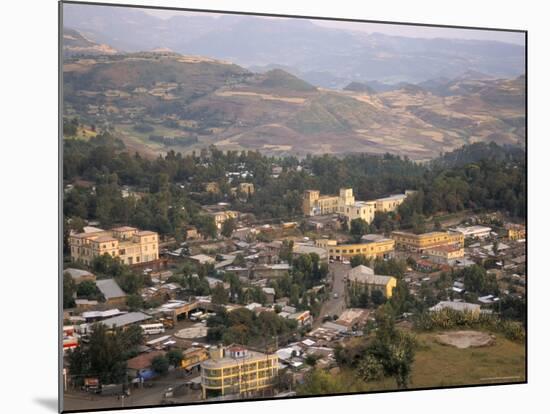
pixel 346 262
pixel 335 295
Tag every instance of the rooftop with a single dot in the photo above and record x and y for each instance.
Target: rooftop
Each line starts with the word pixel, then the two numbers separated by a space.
pixel 364 274
pixel 110 288
pixel 125 319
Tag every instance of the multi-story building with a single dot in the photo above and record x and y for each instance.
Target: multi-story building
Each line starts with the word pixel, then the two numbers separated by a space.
pixel 445 254
pixel 315 204
pixel 382 247
pixel 360 210
pixel 130 245
pixel 364 276
pixel 345 204
pixel 238 371
pixel 421 242
pixel 515 231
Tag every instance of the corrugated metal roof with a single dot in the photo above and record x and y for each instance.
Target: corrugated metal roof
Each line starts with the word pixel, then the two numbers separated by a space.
pixel 126 319
pixel 110 288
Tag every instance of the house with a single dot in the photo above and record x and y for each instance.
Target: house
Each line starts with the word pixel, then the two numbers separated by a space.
pixel 444 254
pixel 112 292
pixel 421 242
pixel 139 365
pixel 269 294
pixel 363 275
pixel 79 275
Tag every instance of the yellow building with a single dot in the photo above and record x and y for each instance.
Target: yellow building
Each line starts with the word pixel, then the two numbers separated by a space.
pixel 380 248
pixel 445 254
pixel 246 188
pixel 315 204
pixel 221 217
pixel 364 276
pixel 421 242
pixel 516 231
pixel 129 244
pixel 238 371
pixel 191 357
pixel 360 210
pixel 212 187
pixel 345 204
pixel 389 204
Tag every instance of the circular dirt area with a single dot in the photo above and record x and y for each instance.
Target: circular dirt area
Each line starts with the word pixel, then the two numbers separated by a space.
pixel 465 339
pixel 196 331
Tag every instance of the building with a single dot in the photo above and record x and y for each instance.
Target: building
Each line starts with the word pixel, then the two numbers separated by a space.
pixel 238 371
pixel 421 242
pixel 221 217
pixel 515 231
pixel 192 357
pixel 363 275
pixel 138 365
pixel 391 203
pixel 79 275
pixel 364 210
pixel 112 292
pixel 130 245
pixel 444 254
pixel 299 249
pixel 212 187
pixel 383 248
pixel 345 204
pixel 246 188
pixel 456 306
pixel 479 232
pixel 125 320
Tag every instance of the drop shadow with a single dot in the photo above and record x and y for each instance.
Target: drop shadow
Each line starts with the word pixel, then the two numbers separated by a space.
pixel 49 403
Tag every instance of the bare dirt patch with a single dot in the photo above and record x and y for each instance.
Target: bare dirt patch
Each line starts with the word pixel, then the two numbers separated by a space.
pixel 465 339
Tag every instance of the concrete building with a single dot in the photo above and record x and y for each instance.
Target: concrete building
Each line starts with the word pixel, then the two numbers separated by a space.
pixel 130 245
pixel 515 231
pixel 345 204
pixel 360 210
pixel 456 306
pixel 383 248
pixel 421 242
pixel 444 254
pixel 363 275
pixel 480 232
pixel 238 371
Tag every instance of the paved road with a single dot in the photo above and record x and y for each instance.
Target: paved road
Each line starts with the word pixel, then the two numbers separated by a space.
pixel 79 400
pixel 335 306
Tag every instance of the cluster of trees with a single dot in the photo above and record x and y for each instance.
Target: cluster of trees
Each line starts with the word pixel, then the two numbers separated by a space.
pixel 386 352
pixel 242 326
pixel 307 271
pixel 443 185
pixel 105 355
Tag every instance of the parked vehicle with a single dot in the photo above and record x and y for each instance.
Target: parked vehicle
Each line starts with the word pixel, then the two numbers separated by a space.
pixel 152 328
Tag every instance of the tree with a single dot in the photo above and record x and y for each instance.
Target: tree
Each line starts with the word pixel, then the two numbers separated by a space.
pixel 358 227
pixel 69 289
pixel 174 357
pixel 359 259
pixel 134 302
pixel 228 227
pixel 88 289
pixel 160 364
pixel 219 295
pixel 377 297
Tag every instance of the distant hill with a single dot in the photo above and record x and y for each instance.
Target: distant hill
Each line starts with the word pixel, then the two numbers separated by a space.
pixel 325 57
pixel 195 101
pixel 74 43
pixel 359 87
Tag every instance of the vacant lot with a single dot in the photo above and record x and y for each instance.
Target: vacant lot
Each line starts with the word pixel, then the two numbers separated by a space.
pixel 438 365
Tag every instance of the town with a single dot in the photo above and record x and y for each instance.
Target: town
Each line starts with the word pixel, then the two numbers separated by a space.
pixel 238 302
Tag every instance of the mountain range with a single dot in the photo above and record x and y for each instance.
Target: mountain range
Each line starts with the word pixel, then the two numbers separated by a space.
pixel 323 56
pixel 161 100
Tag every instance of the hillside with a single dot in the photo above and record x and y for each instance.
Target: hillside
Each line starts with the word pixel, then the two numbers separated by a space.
pixel 162 100
pixel 323 56
pixel 74 43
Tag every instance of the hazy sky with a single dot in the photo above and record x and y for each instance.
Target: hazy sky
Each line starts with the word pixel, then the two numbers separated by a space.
pixel 393 29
